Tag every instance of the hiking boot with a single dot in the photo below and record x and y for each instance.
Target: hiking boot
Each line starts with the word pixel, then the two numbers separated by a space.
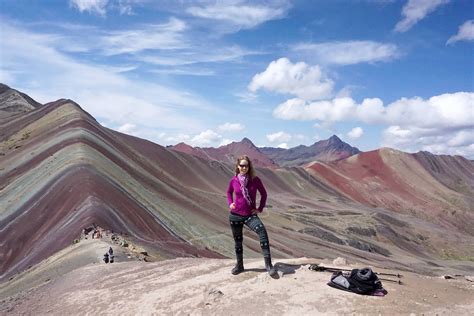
pixel 239 266
pixel 237 269
pixel 272 271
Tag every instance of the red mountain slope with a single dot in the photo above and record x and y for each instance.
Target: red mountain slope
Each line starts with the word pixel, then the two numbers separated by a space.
pixel 397 181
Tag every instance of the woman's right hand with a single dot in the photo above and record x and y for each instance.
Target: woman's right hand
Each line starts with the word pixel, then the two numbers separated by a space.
pixel 232 206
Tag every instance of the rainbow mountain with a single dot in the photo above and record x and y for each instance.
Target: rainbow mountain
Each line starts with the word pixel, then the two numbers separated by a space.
pixel 61 171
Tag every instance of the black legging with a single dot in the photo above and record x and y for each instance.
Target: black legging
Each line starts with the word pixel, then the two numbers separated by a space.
pixel 254 223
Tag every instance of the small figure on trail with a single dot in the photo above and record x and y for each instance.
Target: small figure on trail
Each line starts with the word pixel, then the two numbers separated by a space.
pixel 106 257
pixel 243 210
pixel 111 255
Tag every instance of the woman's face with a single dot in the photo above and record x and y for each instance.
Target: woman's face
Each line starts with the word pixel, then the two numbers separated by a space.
pixel 243 166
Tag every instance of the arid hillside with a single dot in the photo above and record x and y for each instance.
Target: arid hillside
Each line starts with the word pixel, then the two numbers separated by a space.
pixel 407 184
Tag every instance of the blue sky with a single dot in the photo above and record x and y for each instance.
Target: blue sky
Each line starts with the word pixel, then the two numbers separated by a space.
pixel 377 73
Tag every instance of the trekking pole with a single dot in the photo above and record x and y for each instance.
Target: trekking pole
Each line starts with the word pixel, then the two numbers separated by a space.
pixel 389 280
pixel 389 274
pixel 317 267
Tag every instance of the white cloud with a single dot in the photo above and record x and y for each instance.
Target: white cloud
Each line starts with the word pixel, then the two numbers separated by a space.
pixel 172 45
pixel 462 138
pixel 283 145
pixel 141 131
pixel 465 33
pixel 335 110
pixel 412 139
pixel 184 71
pixel 167 36
pixel 450 110
pixel 92 6
pixel 100 7
pixel 413 123
pixel 279 137
pixel 244 16
pixel 350 52
pixel 127 128
pixel 371 111
pixel 159 36
pixel 442 111
pixel 119 108
pixel 231 127
pixel 206 138
pixel 179 138
pixel 247 97
pixel 108 95
pixel 125 6
pixel 226 141
pixel 198 54
pixel 355 133
pixel 170 35
pixel 304 81
pixel 416 10
pixel 168 45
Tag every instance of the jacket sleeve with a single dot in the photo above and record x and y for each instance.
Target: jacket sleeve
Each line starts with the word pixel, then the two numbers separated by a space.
pixel 230 192
pixel 263 195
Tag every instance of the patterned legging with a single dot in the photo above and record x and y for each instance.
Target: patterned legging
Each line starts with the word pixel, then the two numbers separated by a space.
pixel 255 224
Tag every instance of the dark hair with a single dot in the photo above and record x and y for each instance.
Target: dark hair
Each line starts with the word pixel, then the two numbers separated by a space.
pixel 251 172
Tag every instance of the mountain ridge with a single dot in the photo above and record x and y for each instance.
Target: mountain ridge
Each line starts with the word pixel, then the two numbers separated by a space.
pixel 14 102
pixel 228 153
pixel 331 149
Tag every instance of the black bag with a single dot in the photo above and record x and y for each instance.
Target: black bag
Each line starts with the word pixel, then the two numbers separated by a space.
pixel 360 281
pixel 106 258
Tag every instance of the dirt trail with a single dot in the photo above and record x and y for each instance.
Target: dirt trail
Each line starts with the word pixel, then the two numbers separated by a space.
pixel 205 286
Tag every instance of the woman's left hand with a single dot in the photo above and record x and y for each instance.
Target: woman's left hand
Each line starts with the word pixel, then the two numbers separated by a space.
pixel 255 211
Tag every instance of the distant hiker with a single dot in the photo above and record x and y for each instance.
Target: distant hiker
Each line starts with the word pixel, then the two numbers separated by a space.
pixel 106 257
pixel 243 211
pixel 111 258
pixel 111 251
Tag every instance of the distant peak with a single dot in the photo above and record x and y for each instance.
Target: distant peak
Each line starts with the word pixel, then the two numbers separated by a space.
pixel 334 139
pixel 245 140
pixel 182 144
pixel 4 87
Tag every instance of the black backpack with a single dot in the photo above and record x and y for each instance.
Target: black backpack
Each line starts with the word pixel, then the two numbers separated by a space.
pixel 360 281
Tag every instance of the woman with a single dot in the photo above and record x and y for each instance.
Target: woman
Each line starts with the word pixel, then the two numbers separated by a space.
pixel 243 211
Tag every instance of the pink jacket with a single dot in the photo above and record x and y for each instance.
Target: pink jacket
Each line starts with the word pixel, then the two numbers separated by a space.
pixel 241 206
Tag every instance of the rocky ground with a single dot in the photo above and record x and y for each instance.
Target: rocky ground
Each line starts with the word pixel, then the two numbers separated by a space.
pixel 76 281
